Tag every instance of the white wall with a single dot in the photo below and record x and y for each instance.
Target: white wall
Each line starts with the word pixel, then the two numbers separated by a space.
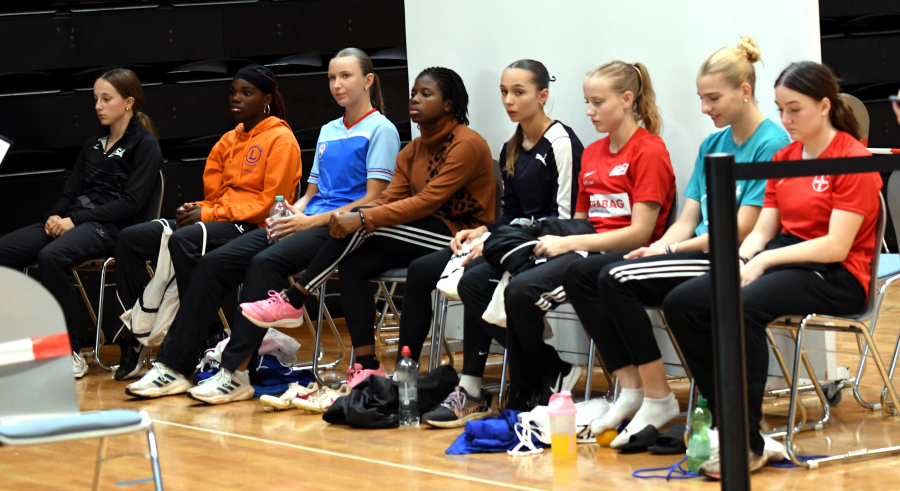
pixel 479 38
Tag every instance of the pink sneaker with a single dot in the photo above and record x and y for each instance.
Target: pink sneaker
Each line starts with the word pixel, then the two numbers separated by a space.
pixel 274 311
pixel 356 374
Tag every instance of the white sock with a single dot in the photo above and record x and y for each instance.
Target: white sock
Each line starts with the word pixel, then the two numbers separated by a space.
pixel 653 412
pixel 471 384
pixel 626 405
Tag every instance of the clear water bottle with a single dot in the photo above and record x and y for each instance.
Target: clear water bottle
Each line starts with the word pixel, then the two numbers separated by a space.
pixel 698 444
pixel 278 211
pixel 407 375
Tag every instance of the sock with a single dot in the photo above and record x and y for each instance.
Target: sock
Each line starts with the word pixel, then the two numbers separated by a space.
pixel 368 362
pixel 242 374
pixel 472 385
pixel 628 403
pixel 653 412
pixel 295 297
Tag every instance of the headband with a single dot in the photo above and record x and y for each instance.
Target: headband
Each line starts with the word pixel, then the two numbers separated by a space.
pixel 254 75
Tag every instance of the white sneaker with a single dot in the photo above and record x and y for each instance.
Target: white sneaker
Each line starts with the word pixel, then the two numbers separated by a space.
pixel 223 387
pixel 282 402
pixel 322 399
pixel 159 381
pixel 79 366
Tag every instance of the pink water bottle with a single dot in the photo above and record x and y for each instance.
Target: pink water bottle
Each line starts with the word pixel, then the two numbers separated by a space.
pixel 562 426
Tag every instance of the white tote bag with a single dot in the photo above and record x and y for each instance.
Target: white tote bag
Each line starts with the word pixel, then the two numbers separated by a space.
pixel 151 316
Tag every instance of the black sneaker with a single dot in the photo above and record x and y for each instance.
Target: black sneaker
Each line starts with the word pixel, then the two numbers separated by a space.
pixel 131 359
pixel 557 381
pixel 523 400
pixel 458 408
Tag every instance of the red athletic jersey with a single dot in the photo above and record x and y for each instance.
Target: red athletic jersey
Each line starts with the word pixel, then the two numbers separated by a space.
pixel 611 183
pixel 806 203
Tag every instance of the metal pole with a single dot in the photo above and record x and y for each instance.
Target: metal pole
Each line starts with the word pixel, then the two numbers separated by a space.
pixel 728 323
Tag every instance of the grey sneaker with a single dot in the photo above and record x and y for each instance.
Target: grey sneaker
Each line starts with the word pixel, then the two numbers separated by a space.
pixel 79 366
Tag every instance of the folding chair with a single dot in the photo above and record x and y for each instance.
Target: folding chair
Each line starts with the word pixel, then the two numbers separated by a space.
pixel 318 350
pixel 39 403
pixel 863 325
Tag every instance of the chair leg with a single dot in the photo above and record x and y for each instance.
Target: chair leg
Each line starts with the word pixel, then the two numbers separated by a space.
pixel 154 458
pixel 98 466
pixel 864 351
pixel 436 320
pixel 692 397
pixel 792 409
pixel 884 376
pixel 788 380
pixel 99 318
pixel 590 372
pixel 893 366
pixel 501 403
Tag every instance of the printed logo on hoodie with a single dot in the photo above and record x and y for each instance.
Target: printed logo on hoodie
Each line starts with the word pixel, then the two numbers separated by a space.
pixel 253 155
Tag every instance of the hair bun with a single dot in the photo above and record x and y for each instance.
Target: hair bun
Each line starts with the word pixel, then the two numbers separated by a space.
pixel 747 45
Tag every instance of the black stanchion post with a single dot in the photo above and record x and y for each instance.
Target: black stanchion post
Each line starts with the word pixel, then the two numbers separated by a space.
pixel 728 323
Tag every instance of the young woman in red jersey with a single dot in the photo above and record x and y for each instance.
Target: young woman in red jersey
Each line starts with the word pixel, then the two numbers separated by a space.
pixel 814 238
pixel 626 188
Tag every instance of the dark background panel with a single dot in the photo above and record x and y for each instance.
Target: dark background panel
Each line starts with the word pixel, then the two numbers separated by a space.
pixel 109 38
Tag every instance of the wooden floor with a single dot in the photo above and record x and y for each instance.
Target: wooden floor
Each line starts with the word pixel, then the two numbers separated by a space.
pixel 239 446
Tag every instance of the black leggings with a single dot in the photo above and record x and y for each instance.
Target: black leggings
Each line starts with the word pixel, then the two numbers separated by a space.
pixel 248 259
pixel 610 295
pixel 786 291
pixel 363 256
pixel 415 322
pixel 56 257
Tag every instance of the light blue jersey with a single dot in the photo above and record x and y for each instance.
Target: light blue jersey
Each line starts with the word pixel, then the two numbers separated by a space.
pixel 347 157
pixel 760 147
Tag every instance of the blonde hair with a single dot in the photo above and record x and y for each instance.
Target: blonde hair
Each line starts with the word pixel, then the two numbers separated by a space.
pixel 735 64
pixel 634 78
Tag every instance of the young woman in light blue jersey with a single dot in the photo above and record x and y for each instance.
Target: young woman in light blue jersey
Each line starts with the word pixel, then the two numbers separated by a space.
pixel 610 294
pixel 353 164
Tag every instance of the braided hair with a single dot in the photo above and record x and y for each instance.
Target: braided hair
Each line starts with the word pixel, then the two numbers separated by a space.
pixel 264 80
pixel 452 88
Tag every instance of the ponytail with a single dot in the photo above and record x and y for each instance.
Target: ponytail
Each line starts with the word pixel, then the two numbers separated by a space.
pixel 646 112
pixel 375 94
pixel 145 122
pixel 127 84
pixel 512 151
pixel 842 117
pixel 818 82
pixel 367 67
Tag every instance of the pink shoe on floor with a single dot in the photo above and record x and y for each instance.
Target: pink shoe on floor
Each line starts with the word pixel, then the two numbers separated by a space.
pixel 356 374
pixel 274 311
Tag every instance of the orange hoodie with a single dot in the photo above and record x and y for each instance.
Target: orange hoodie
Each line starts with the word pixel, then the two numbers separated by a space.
pixel 246 170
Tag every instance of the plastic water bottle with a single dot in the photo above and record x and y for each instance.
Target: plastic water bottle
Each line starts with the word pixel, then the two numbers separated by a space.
pixel 278 211
pixel 698 445
pixel 407 375
pixel 562 426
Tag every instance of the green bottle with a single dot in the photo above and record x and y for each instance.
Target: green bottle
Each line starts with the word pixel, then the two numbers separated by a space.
pixel 698 444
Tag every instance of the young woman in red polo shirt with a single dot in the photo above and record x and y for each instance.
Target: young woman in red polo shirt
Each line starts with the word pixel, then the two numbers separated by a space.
pixel 814 238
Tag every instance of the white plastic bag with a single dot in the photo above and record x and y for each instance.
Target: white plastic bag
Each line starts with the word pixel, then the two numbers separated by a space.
pixel 537 422
pixel 454 269
pixel 152 315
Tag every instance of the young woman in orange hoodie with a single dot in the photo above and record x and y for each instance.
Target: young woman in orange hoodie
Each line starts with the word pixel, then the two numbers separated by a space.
pixel 245 170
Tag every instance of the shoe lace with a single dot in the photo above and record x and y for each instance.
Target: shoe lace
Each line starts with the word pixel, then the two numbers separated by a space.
pixel 456 399
pixel 274 299
pixel 292 391
pixel 221 378
pixel 353 372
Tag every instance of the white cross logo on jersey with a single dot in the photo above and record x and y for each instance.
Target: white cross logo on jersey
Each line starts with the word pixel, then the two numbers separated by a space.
pixel 619 170
pixel 820 184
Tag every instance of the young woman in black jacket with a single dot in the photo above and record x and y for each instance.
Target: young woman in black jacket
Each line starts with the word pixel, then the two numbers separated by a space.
pixel 107 191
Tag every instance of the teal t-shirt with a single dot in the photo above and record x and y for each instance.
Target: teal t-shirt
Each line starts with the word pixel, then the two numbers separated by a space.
pixel 760 147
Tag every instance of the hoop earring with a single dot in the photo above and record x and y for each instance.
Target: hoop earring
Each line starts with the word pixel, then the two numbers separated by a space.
pixel 268 110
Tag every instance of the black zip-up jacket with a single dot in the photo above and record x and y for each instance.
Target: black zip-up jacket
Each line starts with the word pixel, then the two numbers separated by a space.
pixel 511 247
pixel 112 187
